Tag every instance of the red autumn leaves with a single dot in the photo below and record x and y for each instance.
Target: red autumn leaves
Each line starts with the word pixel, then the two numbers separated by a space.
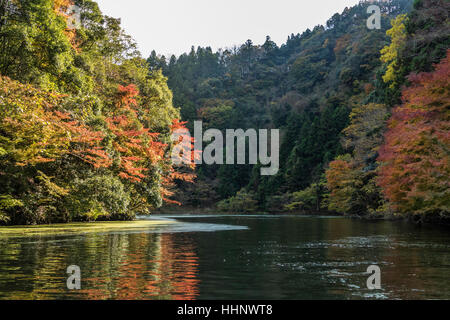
pixel 135 145
pixel 416 160
pixel 36 130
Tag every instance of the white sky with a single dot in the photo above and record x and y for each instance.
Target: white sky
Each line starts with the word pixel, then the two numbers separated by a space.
pixel 173 26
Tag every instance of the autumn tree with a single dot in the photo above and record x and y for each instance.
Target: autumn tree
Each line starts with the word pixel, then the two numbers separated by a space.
pixel 35 133
pixel 415 171
pixel 351 179
pixel 86 134
pixel 390 54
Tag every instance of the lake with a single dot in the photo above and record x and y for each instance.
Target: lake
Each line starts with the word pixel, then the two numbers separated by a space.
pixel 233 257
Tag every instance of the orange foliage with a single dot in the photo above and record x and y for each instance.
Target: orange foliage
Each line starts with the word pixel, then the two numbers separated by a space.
pixel 138 147
pixel 415 176
pixel 133 143
pixel 35 131
pixel 186 140
pixel 61 8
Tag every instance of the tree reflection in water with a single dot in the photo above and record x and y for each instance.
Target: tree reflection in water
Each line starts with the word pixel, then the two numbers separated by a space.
pixel 148 267
pixel 115 266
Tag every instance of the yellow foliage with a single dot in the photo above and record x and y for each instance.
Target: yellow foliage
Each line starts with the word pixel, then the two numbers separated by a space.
pixel 389 54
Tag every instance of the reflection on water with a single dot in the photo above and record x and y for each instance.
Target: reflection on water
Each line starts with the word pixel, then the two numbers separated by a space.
pixel 145 267
pixel 113 266
pixel 233 257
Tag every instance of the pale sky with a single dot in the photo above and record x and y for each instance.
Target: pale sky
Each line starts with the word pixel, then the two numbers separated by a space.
pixel 173 26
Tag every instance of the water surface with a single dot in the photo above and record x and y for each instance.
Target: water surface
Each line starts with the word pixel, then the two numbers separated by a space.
pixel 233 257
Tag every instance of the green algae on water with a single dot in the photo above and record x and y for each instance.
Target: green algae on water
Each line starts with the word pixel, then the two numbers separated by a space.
pixel 80 228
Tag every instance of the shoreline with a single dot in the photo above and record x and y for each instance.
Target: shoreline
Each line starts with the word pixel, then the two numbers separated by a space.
pixel 137 224
pixel 213 211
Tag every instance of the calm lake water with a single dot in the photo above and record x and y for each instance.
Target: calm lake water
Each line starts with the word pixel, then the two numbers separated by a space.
pixel 234 257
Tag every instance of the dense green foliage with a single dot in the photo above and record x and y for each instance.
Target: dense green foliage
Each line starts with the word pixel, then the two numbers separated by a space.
pixel 307 87
pixel 331 91
pixel 85 122
pixel 84 126
pixel 363 187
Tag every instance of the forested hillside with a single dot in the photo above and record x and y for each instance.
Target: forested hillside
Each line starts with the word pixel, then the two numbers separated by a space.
pixel 86 121
pixel 84 128
pixel 331 91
